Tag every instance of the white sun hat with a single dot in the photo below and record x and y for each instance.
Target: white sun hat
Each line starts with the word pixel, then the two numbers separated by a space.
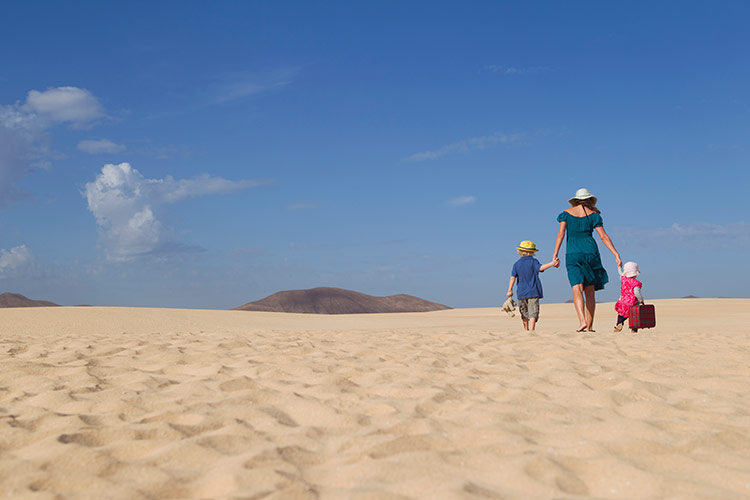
pixel 630 269
pixel 583 194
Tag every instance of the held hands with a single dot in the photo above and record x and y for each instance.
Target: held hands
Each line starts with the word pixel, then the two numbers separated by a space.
pixel 556 261
pixel 618 260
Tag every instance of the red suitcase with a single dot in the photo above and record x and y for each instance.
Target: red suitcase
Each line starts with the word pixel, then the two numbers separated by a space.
pixel 642 316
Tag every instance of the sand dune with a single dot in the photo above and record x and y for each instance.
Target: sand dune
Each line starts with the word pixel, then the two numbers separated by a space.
pixel 126 403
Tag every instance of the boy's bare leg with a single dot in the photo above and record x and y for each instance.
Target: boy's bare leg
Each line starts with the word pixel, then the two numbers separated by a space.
pixel 578 303
pixel 532 324
pixel 525 323
pixel 590 307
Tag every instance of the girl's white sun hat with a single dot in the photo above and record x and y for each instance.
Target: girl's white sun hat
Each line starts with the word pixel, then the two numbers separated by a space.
pixel 583 194
pixel 630 269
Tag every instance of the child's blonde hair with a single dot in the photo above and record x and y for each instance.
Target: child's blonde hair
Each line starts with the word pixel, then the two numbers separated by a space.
pixel 526 253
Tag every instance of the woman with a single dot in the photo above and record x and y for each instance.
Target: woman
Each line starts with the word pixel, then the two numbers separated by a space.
pixel 582 260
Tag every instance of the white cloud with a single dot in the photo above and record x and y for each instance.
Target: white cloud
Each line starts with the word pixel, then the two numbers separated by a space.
pixel 242 84
pixel 64 105
pixel 466 145
pixel 701 229
pixel 513 70
pixel 23 137
pixel 173 190
pixel 301 206
pixel 99 146
pixel 463 200
pixel 128 207
pixel 705 234
pixel 13 259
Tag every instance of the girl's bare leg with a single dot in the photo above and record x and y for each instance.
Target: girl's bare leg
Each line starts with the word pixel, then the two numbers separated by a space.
pixel 590 307
pixel 578 303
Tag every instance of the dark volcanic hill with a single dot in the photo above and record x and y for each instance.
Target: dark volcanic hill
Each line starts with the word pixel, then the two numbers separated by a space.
pixel 18 300
pixel 327 300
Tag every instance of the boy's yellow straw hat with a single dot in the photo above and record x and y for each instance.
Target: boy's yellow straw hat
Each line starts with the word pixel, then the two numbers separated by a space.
pixel 527 245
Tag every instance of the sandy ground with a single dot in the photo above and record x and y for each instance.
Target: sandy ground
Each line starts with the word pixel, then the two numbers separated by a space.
pixel 129 403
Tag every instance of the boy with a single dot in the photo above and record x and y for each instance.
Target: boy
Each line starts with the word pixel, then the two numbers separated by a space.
pixel 526 270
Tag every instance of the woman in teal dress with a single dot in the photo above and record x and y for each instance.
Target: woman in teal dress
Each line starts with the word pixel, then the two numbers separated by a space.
pixel 585 271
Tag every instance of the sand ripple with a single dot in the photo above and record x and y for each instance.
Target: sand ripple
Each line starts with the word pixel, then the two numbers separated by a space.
pixel 116 403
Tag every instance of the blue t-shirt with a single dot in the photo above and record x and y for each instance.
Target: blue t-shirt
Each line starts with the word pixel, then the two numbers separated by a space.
pixel 526 271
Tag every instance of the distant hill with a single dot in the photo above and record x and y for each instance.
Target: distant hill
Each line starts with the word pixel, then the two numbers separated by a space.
pixel 325 300
pixel 18 300
pixel 690 297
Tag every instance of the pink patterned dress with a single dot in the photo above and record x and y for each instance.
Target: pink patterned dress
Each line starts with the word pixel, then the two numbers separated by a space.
pixel 627 298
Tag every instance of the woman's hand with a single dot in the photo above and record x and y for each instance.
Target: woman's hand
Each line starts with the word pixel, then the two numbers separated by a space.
pixel 618 260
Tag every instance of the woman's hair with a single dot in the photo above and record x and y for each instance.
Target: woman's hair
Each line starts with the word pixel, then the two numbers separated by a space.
pixel 586 203
pixel 525 253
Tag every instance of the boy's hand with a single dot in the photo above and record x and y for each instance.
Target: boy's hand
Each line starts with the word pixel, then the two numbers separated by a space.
pixel 509 294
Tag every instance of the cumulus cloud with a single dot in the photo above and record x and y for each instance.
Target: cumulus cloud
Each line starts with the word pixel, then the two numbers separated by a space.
pixel 462 200
pixel 23 137
pixel 71 105
pixel 466 145
pixel 13 259
pixel 128 208
pixel 99 146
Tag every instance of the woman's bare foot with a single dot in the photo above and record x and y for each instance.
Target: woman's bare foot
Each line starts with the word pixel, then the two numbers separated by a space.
pixel 590 330
pixel 582 328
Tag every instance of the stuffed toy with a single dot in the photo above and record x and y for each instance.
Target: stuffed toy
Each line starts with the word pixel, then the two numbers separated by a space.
pixel 509 306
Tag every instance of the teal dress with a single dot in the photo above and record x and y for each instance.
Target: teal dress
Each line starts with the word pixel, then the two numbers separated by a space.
pixel 582 259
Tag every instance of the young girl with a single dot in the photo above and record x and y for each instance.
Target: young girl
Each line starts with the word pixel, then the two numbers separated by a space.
pixel 630 293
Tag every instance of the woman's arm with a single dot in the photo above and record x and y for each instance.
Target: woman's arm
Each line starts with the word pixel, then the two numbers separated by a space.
pixel 559 240
pixel 608 243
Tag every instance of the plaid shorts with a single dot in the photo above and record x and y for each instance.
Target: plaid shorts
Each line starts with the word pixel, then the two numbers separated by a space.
pixel 529 308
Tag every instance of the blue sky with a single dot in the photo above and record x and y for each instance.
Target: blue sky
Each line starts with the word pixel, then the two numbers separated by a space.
pixel 188 154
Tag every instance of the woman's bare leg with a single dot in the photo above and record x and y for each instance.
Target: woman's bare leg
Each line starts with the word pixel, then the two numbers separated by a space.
pixel 590 306
pixel 578 303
